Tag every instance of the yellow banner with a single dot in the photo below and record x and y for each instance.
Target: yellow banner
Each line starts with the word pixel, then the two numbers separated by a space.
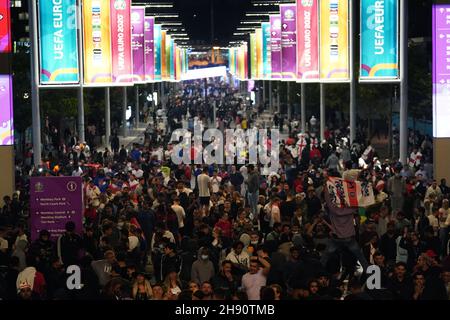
pixel 97 42
pixel 242 64
pixel 334 40
pixel 259 54
pixel 178 63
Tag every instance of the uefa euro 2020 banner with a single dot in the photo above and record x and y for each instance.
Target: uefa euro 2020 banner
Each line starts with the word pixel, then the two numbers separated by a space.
pixel 149 48
pixel 267 66
pixel 97 42
pixel 289 41
pixel 137 36
pixel 308 40
pixel 158 66
pixel 334 41
pixel 59 63
pixel 379 40
pixel 275 47
pixel 122 71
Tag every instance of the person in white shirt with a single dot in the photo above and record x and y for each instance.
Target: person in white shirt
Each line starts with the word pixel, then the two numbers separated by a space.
pixel 275 215
pixel 78 172
pixel 3 242
pixel 93 194
pixel 137 172
pixel 215 182
pixel 181 215
pixel 239 257
pixel 434 220
pixel 256 278
pixel 133 182
pixel 204 186
pixel 433 189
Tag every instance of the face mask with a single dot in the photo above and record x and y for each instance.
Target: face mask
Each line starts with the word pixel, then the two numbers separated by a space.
pixel 120 225
pixel 254 243
pixel 204 257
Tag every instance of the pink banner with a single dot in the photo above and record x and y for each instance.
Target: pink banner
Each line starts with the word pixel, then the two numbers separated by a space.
pixel 308 40
pixel 121 41
pixel 149 48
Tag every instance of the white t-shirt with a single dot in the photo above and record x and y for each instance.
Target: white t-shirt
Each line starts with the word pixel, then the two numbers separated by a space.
pixel 77 173
pixel 138 173
pixel 215 183
pixel 252 283
pixel 203 185
pixel 180 214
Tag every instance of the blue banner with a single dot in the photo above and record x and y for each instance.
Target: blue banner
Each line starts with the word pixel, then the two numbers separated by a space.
pixel 58 42
pixel 158 52
pixel 267 59
pixel 379 40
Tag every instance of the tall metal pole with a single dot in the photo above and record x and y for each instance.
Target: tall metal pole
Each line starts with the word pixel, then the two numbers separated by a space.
pixel 137 107
pixel 81 135
pixel 107 118
pixel 81 129
pixel 303 106
pixel 404 81
pixel 162 98
pixel 322 112
pixel 35 107
pixel 270 96
pixel 289 111
pixel 264 92
pixel 278 97
pixel 124 112
pixel 352 78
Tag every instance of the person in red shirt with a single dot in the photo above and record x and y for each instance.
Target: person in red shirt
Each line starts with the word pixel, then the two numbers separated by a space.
pixel 315 155
pixel 225 225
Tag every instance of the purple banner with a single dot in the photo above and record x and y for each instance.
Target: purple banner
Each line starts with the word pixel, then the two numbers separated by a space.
pixel 441 71
pixel 275 45
pixel 289 41
pixel 6 111
pixel 54 201
pixel 149 48
pixel 137 38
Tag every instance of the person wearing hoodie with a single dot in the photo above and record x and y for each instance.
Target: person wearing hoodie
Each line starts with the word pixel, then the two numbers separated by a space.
pixel 202 269
pixel 44 249
pixel 20 252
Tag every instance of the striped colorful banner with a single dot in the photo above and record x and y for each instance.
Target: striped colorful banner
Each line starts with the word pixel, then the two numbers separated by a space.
pixel 334 41
pixel 97 42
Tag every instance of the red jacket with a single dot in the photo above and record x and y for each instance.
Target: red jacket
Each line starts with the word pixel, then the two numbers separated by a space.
pixel 225 226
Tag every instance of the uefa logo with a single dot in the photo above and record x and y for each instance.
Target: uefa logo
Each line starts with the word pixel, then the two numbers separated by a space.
pixel 135 17
pixel 289 14
pixel 120 4
pixel 277 24
pixel 307 3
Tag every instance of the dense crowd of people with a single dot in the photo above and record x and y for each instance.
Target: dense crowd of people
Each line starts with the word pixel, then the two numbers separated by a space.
pixel 160 231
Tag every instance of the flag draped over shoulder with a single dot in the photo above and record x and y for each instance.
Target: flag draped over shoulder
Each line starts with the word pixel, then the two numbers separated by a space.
pixel 346 193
